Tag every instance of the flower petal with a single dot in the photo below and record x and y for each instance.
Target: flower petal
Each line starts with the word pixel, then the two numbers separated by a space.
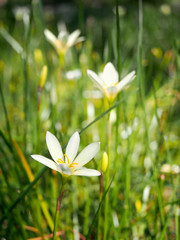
pixel 110 75
pixel 46 161
pixel 86 172
pixel 63 35
pixel 80 39
pixel 87 154
pixel 72 147
pixel 73 37
pixel 50 37
pixel 126 80
pixel 96 79
pixel 54 147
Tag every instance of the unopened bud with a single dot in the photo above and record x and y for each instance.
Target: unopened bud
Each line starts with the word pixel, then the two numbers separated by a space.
pixel 38 56
pixel 138 205
pixel 43 76
pixel 157 52
pixel 104 162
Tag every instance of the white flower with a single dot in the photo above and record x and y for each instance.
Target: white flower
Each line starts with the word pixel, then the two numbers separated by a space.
pixel 73 74
pixel 64 41
pixel 68 163
pixel 108 82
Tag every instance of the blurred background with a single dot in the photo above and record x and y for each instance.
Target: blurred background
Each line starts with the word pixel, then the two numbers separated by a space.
pixel 144 196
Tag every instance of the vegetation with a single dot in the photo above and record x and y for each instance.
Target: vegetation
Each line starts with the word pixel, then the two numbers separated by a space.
pixel 44 86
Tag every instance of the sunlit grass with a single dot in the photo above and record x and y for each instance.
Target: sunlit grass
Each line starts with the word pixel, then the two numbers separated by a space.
pixel 136 196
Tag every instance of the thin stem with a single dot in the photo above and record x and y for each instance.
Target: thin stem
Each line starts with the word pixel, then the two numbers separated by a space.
pixel 118 96
pixel 106 208
pixel 58 205
pixel 100 199
pixel 176 208
pixel 97 212
pixel 81 14
pixel 5 113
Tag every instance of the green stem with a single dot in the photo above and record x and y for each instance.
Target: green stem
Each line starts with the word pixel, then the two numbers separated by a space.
pixel 26 97
pixel 100 199
pixel 176 208
pixel 97 212
pixel 58 205
pixel 118 96
pixel 166 223
pixel 106 209
pixel 61 61
pixel 81 14
pixel 5 113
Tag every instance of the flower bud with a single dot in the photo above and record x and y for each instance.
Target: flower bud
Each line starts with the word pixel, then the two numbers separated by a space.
pixel 43 76
pixel 38 56
pixel 157 52
pixel 138 205
pixel 104 162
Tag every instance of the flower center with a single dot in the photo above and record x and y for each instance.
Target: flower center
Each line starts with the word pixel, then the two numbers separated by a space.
pixel 68 162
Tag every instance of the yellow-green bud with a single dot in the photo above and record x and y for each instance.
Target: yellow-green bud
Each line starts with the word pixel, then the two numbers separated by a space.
pixel 43 76
pixel 104 162
pixel 38 56
pixel 138 205
pixel 157 52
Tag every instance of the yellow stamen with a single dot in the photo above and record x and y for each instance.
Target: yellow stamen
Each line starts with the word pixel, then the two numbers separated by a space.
pixel 67 158
pixel 60 160
pixel 71 165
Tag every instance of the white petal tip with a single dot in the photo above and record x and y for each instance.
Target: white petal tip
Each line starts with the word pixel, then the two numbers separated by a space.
pixel 77 133
pixel 88 71
pixel 48 134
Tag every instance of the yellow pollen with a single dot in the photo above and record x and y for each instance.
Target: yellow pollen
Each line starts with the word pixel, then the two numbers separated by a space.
pixel 67 158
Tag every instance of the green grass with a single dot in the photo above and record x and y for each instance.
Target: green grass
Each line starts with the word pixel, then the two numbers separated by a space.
pixel 144 123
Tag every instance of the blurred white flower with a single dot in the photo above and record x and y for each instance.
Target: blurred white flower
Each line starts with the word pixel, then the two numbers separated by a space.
pixel 146 193
pixel 165 9
pixel 126 132
pixel 21 12
pixel 121 11
pixel 68 164
pixel 115 219
pixel 153 145
pixel 135 123
pixel 175 169
pixel 95 94
pixel 90 112
pixel 168 168
pixel 147 163
pixel 108 81
pixel 64 41
pixel 73 74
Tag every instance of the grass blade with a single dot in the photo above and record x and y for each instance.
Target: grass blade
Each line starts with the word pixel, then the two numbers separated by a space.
pixel 97 212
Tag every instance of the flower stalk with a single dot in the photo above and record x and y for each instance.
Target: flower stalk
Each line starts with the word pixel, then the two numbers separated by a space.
pixel 107 177
pixel 58 206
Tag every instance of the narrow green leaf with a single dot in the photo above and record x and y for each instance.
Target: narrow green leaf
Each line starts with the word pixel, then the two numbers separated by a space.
pixel 12 42
pixel 97 212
